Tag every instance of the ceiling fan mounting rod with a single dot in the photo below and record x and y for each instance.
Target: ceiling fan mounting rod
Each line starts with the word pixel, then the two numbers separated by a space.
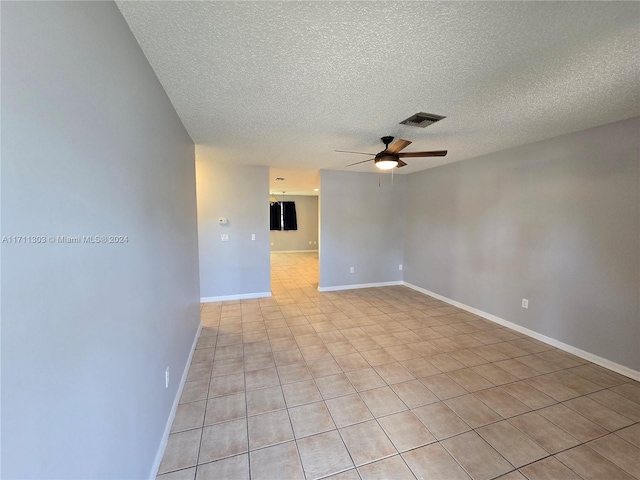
pixel 386 141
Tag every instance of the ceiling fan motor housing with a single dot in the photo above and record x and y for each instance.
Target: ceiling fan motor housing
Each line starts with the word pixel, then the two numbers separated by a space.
pixel 386 161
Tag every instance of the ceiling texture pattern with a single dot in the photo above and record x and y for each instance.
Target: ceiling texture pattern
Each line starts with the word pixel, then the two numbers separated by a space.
pixel 284 84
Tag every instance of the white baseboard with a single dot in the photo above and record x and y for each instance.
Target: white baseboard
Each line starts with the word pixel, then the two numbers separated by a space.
pixel 359 285
pixel 603 362
pixel 174 407
pixel 242 296
pixel 293 251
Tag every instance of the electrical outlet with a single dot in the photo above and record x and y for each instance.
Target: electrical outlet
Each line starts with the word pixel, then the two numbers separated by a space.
pixel 352 269
pixel 224 237
pixel 400 267
pixel 272 244
pixel 253 236
pixel 309 242
pixel 166 378
pixel 314 243
pixel 525 303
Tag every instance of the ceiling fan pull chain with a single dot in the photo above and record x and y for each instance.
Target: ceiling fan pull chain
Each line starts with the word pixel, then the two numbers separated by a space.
pixel 392 175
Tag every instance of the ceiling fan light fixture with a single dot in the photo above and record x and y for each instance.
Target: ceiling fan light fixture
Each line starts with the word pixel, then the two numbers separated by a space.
pixel 386 162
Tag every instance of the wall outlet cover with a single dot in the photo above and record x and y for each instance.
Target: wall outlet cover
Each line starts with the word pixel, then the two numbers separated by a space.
pixel 525 303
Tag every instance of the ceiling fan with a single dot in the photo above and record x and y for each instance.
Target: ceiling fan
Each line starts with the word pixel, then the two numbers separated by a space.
pixel 391 156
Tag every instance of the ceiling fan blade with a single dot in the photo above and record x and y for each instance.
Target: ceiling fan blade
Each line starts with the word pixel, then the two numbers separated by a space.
pixel 401 164
pixel 398 145
pixel 435 153
pixel 359 153
pixel 364 161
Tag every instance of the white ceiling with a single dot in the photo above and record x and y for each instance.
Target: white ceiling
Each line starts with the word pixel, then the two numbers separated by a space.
pixel 285 83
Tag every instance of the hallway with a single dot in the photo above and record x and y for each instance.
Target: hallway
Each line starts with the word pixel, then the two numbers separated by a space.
pixel 293 272
pixel 388 383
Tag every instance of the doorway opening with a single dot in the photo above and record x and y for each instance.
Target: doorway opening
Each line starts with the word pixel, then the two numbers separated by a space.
pixel 295 225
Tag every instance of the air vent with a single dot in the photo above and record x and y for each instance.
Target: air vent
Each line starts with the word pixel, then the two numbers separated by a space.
pixel 422 120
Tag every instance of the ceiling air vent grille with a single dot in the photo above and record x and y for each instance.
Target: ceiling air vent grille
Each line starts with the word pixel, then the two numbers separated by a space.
pixel 422 120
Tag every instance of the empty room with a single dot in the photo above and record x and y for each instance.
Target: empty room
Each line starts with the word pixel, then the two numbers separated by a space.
pixel 320 240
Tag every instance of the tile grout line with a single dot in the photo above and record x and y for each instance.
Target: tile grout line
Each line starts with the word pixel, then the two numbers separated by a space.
pixel 293 432
pixel 246 406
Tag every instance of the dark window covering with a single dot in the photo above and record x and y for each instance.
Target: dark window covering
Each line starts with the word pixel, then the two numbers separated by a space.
pixel 275 216
pixel 289 214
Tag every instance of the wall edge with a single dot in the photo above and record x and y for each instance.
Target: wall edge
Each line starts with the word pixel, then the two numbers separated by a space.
pixel 167 429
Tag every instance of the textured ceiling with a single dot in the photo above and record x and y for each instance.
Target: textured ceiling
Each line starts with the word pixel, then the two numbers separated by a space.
pixel 285 83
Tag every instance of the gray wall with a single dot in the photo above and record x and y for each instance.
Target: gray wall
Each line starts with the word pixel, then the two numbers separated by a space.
pixel 556 222
pixel 239 193
pixel 362 226
pixel 307 213
pixel 90 146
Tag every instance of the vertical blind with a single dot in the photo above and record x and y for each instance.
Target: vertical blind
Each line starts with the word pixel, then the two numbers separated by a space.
pixel 283 216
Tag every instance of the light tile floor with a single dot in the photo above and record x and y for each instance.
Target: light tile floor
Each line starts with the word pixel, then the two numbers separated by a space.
pixel 388 383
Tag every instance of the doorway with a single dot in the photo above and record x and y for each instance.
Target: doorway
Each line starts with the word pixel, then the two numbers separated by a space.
pixel 294 235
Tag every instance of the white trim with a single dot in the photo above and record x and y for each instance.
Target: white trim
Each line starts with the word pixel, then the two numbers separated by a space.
pixel 242 296
pixel 359 285
pixel 293 251
pixel 603 362
pixel 174 407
